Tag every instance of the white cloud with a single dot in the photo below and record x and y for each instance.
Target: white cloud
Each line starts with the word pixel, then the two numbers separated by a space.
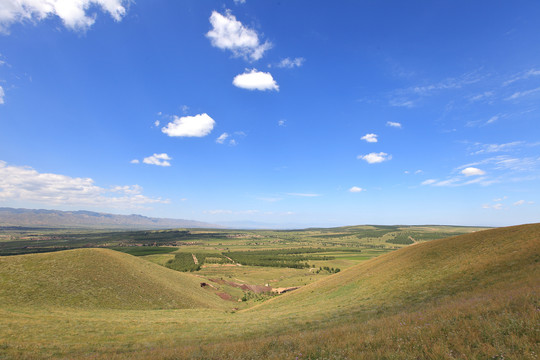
pixel 374 158
pixel 523 76
pixel 418 172
pixel 371 138
pixel 482 96
pixel 400 102
pixel 505 162
pixel 281 122
pixel 232 138
pixel 2 94
pixel 158 159
pixel 356 189
pixel 156 123
pixel 73 13
pixel 255 80
pixel 472 171
pixel 135 161
pixel 24 184
pixel 492 148
pixel 291 63
pixel 221 139
pixel 393 124
pixel 303 194
pixel 230 34
pixel 492 119
pixel 237 2
pixel 519 94
pixel 429 182
pixel 519 202
pixel 190 126
pixel 494 206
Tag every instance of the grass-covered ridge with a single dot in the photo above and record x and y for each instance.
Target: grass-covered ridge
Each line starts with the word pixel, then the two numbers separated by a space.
pixel 97 279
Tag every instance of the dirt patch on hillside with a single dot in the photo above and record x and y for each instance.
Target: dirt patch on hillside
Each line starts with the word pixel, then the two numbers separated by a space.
pixel 225 296
pixel 257 289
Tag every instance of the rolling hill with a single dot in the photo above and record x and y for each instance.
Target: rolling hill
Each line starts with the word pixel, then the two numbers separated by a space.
pixel 97 279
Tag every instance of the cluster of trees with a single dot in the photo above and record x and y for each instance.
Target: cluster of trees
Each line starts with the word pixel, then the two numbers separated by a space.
pixel 291 258
pixel 401 238
pixel 329 270
pixel 183 262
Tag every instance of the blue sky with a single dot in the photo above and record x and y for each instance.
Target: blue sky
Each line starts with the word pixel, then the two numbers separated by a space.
pixel 300 113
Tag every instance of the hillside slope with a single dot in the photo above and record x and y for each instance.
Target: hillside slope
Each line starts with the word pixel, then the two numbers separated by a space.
pixel 97 279
pixel 421 273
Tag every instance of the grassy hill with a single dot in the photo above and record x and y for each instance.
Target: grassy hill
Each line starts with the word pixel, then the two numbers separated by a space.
pixel 470 296
pixel 97 279
pixel 421 273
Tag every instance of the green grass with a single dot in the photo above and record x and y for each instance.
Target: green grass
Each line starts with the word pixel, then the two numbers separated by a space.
pixel 98 279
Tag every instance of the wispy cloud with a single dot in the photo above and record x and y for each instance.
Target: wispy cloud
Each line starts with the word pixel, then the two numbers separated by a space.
pixel 291 63
pixel 493 206
pixel 74 14
pixel 221 139
pixel 519 94
pixel 2 94
pixel 255 80
pixel 356 189
pixel 230 34
pixel 282 122
pixel 303 194
pixel 393 124
pixel 409 97
pixel 494 148
pixel 522 76
pixel 482 96
pixel 23 183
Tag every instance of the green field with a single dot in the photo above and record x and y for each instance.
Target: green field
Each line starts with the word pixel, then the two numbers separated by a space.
pixel 471 296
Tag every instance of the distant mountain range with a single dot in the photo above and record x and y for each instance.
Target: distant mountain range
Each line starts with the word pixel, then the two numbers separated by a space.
pixel 90 219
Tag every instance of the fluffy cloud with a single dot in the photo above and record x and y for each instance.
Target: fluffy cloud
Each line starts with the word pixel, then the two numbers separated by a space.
pixel 190 126
pixel 73 13
pixel 291 63
pixel 230 34
pixel 158 159
pixel 371 138
pixel 255 80
pixel 472 171
pixel 282 122
pixel 24 184
pixel 393 124
pixel 374 158
pixel 1 95
pixel 356 189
